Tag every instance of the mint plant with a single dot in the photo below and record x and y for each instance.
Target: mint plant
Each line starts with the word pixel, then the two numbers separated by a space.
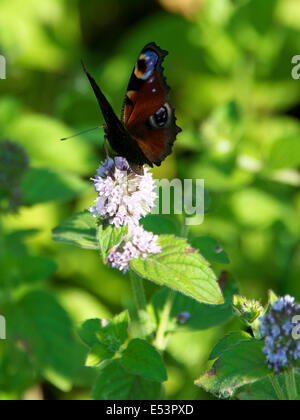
pixel 128 349
pixel 262 363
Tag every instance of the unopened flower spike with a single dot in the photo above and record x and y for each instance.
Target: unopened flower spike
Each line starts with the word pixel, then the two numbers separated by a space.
pixel 248 310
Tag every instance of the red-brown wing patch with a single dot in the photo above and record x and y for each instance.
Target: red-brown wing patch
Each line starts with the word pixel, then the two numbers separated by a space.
pixel 145 102
pixel 153 145
pixel 147 95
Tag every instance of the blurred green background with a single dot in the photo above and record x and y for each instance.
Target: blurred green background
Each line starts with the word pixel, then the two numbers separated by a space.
pixel 230 71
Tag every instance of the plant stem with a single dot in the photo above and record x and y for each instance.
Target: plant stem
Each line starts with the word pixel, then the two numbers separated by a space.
pixel 184 233
pixel 277 387
pixel 290 384
pixel 163 323
pixel 145 326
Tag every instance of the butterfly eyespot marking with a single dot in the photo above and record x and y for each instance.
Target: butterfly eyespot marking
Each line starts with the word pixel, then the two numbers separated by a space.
pixel 146 65
pixel 161 118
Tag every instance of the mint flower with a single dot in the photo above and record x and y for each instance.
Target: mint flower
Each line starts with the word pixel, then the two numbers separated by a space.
pixel 123 196
pixel 281 349
pixel 138 243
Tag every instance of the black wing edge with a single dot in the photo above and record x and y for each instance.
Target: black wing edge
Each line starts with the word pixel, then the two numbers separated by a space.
pixel 107 110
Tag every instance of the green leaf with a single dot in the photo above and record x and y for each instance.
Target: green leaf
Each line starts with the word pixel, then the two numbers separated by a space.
pixel 87 331
pixel 15 242
pixel 272 298
pixel 257 208
pixel 16 371
pixel 104 341
pixel 117 328
pixel 42 185
pixel 80 231
pixel 115 383
pixel 140 358
pixel 40 324
pixel 227 342
pixel 181 268
pixel 98 353
pixel 108 237
pixel 40 134
pixel 285 153
pixel 201 316
pixel 210 249
pixel 240 365
pixel 159 225
pixel 262 390
pixel 16 270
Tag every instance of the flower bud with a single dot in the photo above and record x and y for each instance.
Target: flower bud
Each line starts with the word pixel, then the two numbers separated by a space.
pixel 248 310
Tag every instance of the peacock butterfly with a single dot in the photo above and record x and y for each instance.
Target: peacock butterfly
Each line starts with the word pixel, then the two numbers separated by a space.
pixel 147 129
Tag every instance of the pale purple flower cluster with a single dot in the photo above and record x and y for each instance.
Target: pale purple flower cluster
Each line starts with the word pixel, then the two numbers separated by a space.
pixel 123 196
pixel 139 243
pixel 123 199
pixel 281 349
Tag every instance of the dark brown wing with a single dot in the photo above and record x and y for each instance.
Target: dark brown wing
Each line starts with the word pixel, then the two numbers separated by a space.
pixel 108 113
pixel 118 136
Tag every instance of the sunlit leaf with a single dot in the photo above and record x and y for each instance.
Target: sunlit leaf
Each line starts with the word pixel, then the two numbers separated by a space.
pixel 242 364
pixel 40 136
pixel 285 153
pixel 196 316
pixel 80 230
pixel 181 268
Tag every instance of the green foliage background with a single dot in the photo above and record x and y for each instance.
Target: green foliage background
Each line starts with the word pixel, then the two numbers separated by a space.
pixel 230 72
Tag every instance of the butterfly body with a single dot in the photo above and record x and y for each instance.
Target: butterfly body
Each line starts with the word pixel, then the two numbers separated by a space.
pixel 147 129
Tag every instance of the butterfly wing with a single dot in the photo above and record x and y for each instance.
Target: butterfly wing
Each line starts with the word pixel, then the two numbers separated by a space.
pixel 147 113
pixel 118 136
pixel 108 113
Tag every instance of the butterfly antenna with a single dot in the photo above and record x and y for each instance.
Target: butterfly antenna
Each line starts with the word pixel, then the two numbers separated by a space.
pixel 82 132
